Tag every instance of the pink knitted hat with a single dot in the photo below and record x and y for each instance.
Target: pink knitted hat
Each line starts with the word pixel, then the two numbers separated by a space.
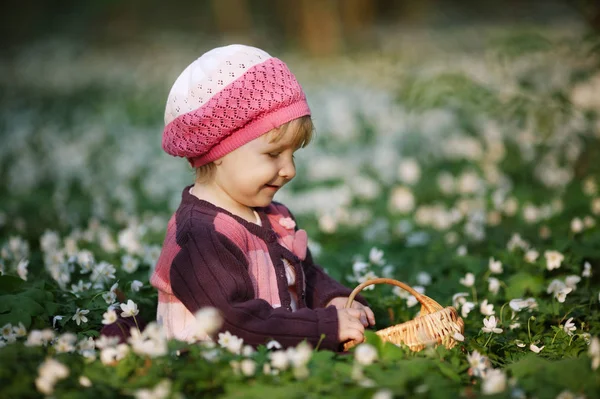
pixel 226 98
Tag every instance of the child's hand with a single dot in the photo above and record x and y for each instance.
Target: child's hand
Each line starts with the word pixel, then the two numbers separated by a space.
pixel 367 317
pixel 350 326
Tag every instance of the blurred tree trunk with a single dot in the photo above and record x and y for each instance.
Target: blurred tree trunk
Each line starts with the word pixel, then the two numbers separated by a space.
pixel 232 16
pixel 319 29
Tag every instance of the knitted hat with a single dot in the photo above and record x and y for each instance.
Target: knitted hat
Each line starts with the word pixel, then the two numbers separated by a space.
pixel 226 98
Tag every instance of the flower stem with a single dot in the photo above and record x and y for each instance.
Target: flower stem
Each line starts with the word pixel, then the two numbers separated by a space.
pixel 529 329
pixel 474 294
pixel 502 310
pixel 136 324
pixel 553 338
pixel 488 340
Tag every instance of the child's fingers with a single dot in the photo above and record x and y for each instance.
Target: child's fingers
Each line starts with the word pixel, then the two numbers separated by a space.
pixel 370 316
pixel 356 335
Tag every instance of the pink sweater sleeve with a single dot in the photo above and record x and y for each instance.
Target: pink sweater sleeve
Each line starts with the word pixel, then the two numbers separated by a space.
pixel 212 271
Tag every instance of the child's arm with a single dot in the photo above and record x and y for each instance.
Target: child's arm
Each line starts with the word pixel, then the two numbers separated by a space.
pixel 211 271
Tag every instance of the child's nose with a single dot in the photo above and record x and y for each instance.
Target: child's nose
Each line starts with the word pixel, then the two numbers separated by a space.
pixel 288 170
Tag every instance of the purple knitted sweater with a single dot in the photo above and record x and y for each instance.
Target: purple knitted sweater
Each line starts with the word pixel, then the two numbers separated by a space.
pixel 211 257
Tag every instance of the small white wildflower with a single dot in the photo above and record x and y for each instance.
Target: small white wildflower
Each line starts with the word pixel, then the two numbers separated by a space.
pixel 6 330
pixel 490 325
pixel 555 286
pixel 459 298
pixel 531 255
pixel 208 321
pixel 595 206
pixel 478 364
pixel 461 250
pixel 231 342
pixel 20 330
pixel 272 344
pixel 79 316
pixel 376 256
pixel 561 295
pixel 423 278
pixel 495 266
pixel 136 285
pixel 466 308
pixel 85 381
pixel 494 382
pixel 109 317
pixel 589 222
pixel 569 326
pixel 279 360
pixel 587 270
pixel 486 309
pixel 536 349
pixel 22 269
pixel 493 285
pixel 468 280
pixel 248 367
pixel 365 354
pixel 130 309
pixel 519 343
pixel 572 281
pixel 553 259
pixel 129 263
pixel 519 304
pixel 576 225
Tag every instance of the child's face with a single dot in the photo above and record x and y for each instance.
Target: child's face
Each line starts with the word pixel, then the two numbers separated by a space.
pixel 251 175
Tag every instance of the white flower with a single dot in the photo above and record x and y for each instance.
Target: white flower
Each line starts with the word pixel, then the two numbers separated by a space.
pixel 461 250
pixel 22 269
pixel 519 343
pixel 493 285
pixel 486 309
pixel 468 280
pixel 494 382
pixel 572 281
pixel 596 206
pixel 106 342
pixel 130 309
pixel 85 381
pixel 458 336
pixel 129 263
pixel 466 308
pixel 423 278
pixel 231 342
pixel 208 321
pixel 279 360
pixel 561 295
pixel 300 355
pixel 535 348
pixel 365 354
pixel 110 297
pixel 589 222
pixel 160 391
pixel 376 256
pixel 569 326
pixel 272 344
pixel 459 298
pixel 489 325
pixel 136 285
pixel 495 266
pixel 109 317
pixel 519 304
pixel 79 316
pixel 383 394
pixel 553 259
pixel 555 286
pixel 402 200
pixel 7 330
pixel 517 242
pixel 531 255
pixel 409 171
pixel 49 373
pixel 478 364
pixel 576 225
pixel 587 270
pixel 20 330
pixel 248 367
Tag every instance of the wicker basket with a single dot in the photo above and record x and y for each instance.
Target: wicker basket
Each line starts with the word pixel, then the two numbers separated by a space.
pixel 435 325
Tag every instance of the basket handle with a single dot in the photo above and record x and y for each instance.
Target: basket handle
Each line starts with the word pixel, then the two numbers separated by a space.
pixel 427 304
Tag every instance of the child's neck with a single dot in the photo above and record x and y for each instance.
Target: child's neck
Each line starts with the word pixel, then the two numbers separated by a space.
pixel 207 193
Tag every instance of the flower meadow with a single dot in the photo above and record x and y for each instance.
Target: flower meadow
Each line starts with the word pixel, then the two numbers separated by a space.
pixel 469 172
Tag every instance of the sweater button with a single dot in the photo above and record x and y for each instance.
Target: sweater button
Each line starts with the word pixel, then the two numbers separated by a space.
pixel 271 237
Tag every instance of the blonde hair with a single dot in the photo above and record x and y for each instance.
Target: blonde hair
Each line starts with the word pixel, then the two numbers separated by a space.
pixel 303 129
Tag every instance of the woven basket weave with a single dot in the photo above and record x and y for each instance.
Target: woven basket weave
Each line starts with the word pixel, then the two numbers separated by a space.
pixel 433 326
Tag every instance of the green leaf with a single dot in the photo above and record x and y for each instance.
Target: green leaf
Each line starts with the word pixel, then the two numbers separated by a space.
pixel 10 284
pixel 523 283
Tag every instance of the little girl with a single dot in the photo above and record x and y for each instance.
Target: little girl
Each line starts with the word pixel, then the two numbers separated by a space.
pixel 238 115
